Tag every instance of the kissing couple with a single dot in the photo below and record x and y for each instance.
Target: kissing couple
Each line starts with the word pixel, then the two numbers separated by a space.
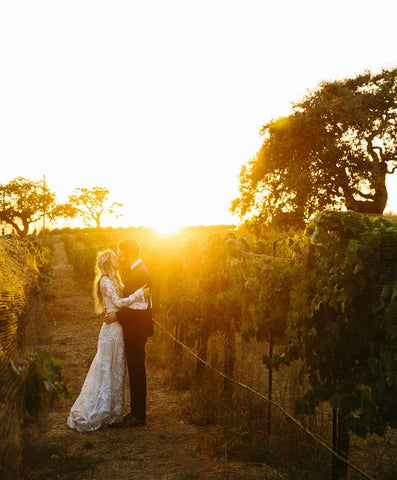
pixel 123 336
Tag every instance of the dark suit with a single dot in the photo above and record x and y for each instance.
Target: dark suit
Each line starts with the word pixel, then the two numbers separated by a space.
pixel 137 327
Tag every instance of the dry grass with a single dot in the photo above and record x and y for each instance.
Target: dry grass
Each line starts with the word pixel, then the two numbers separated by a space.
pixel 239 424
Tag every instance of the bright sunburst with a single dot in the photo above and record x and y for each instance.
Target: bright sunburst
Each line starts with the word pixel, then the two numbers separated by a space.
pixel 167 228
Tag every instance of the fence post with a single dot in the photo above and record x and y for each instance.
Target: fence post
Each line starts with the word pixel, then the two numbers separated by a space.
pixel 270 377
pixel 176 345
pixel 270 382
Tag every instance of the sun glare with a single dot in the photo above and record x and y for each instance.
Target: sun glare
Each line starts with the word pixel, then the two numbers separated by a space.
pixel 167 229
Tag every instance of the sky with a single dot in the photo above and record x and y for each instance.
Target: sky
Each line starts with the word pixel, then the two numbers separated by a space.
pixel 162 102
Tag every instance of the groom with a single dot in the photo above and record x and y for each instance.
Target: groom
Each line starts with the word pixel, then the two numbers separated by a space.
pixel 137 327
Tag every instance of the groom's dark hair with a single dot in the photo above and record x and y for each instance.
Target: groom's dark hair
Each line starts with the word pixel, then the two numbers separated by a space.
pixel 131 247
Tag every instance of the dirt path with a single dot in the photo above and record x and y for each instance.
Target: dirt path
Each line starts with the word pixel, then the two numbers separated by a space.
pixel 165 449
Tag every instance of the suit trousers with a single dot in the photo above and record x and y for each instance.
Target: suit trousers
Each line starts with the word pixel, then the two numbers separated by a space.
pixel 135 354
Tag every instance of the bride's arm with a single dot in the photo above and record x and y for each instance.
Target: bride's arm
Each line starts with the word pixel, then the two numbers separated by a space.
pixel 110 291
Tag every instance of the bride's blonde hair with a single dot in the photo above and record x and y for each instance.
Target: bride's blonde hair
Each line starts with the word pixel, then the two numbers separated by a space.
pixel 104 268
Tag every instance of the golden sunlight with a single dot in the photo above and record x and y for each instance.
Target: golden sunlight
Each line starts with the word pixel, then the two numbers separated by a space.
pixel 167 228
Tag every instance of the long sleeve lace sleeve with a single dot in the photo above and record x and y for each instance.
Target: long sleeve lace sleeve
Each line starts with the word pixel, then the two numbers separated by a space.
pixel 109 290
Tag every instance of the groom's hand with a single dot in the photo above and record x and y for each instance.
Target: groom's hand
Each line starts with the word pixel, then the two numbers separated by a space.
pixel 110 317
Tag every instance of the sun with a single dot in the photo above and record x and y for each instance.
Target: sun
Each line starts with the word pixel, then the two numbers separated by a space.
pixel 167 228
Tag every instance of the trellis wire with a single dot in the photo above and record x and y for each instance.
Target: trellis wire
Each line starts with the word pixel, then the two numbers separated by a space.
pixel 264 397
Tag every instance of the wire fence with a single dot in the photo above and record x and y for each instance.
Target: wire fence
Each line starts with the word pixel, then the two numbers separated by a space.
pixel 13 281
pixel 268 400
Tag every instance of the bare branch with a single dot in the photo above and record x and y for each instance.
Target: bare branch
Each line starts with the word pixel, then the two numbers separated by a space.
pixel 378 148
pixel 370 196
pixel 376 157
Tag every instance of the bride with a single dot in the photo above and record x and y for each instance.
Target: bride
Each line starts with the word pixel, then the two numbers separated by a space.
pixel 101 400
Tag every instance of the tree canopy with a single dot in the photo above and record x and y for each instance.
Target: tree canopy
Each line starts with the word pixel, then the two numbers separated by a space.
pixel 23 202
pixel 334 151
pixel 90 204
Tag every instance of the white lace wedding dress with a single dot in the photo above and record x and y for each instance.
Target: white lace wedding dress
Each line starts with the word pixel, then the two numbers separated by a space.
pixel 101 400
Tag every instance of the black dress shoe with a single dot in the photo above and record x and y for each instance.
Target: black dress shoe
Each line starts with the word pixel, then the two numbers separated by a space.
pixel 116 424
pixel 129 421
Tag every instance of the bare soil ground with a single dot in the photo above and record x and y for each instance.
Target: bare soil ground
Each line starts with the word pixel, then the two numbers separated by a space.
pixel 167 448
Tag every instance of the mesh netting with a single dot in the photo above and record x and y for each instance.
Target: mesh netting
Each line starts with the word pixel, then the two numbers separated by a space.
pixel 17 279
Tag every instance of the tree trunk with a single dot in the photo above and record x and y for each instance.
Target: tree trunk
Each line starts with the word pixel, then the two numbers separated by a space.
pixel 14 225
pixel 25 228
pixel 377 201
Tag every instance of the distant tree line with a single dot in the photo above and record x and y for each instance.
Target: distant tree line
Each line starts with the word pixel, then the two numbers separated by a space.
pixel 24 202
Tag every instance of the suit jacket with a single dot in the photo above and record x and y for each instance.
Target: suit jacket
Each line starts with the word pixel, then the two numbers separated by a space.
pixel 137 324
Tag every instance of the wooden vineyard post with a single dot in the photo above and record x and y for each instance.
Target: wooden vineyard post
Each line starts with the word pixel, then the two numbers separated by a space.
pixel 202 346
pixel 229 360
pixel 177 347
pixel 270 382
pixel 270 376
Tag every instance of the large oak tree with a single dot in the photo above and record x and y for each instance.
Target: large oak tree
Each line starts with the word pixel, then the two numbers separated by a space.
pixel 334 151
pixel 23 202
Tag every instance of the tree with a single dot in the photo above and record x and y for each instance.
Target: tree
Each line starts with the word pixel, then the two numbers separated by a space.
pixel 23 202
pixel 90 205
pixel 333 151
